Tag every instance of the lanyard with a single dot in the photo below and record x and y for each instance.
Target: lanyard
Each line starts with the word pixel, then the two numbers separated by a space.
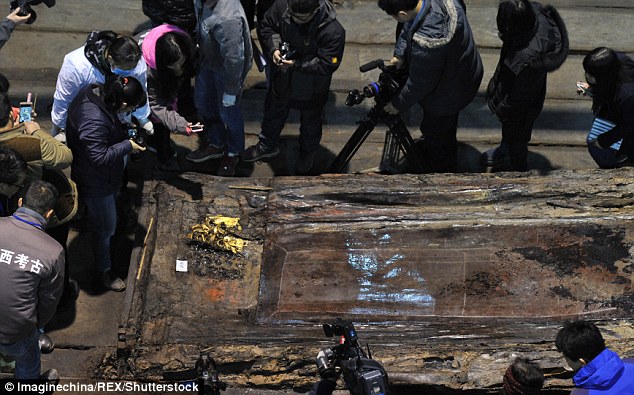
pixel 28 222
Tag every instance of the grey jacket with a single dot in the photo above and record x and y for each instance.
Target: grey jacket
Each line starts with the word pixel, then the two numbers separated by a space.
pixel 445 69
pixel 31 275
pixel 225 41
pixel 6 28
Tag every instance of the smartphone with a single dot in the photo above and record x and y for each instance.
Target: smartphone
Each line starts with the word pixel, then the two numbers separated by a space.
pixel 26 109
pixel 583 89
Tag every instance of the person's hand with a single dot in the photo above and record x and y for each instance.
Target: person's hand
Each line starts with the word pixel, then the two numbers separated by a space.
pixel 390 109
pixel 136 147
pixel 228 100
pixel 17 19
pixel 30 127
pixel 582 88
pixel 194 127
pixel 398 62
pixel 281 63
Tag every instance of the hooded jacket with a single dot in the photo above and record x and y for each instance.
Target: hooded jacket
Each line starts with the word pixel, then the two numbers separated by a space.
pixel 445 69
pixel 519 81
pixel 175 12
pixel 40 150
pixel 606 374
pixel 318 46
pixel 88 65
pixel 164 109
pixel 45 157
pixel 225 41
pixel 99 143
pixel 31 275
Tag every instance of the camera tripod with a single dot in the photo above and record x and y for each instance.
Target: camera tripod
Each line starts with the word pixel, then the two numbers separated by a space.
pixel 397 140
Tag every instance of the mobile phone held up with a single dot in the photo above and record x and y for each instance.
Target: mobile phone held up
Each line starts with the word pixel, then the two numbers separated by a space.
pixel 26 109
pixel 583 89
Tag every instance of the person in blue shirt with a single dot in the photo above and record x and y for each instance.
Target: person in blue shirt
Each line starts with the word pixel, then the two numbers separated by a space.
pixel 599 370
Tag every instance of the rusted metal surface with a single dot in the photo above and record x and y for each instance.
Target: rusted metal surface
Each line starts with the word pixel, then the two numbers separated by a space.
pixel 448 277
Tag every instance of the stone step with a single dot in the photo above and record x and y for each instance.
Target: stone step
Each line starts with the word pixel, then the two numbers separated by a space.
pixel 63 28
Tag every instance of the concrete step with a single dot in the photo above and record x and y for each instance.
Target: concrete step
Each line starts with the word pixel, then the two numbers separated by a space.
pixel 57 31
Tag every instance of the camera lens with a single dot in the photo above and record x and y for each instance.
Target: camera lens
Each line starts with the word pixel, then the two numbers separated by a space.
pixel 372 89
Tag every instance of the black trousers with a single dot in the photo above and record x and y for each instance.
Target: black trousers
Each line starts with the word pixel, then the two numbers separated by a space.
pixel 516 134
pixel 439 145
pixel 60 234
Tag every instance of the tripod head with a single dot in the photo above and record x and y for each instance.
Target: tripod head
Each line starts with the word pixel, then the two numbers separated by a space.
pixel 390 82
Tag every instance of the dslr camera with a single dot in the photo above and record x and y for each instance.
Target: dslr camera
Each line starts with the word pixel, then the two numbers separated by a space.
pixel 25 7
pixel 287 52
pixel 207 372
pixel 362 375
pixel 390 82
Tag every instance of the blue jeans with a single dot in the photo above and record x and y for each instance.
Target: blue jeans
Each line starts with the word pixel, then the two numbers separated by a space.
pixel 26 353
pixel 102 217
pixel 224 125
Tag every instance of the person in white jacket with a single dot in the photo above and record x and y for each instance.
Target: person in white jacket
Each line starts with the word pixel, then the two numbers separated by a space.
pixel 104 53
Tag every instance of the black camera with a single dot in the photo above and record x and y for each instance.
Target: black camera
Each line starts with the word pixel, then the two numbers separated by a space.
pixel 286 52
pixel 362 375
pixel 207 372
pixel 390 82
pixel 25 7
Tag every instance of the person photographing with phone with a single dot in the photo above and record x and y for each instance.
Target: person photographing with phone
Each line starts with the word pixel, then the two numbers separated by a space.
pixel 610 83
pixel 100 145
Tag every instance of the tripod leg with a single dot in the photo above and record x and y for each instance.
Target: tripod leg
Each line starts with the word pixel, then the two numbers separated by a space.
pixel 404 138
pixel 352 146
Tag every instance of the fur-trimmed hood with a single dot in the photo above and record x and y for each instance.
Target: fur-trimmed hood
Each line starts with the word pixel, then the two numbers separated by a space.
pixel 440 21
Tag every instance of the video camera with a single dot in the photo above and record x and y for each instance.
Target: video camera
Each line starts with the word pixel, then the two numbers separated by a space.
pixel 25 7
pixel 390 82
pixel 362 375
pixel 207 372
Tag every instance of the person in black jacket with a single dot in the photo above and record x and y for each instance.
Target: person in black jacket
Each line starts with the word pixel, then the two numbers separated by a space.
pixel 301 79
pixel 534 42
pixel 610 82
pixel 100 145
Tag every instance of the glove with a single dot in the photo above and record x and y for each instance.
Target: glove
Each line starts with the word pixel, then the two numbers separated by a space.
pixel 390 109
pixel 148 126
pixel 228 100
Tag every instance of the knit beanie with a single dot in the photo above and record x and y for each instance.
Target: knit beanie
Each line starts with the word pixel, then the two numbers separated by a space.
pixel 513 387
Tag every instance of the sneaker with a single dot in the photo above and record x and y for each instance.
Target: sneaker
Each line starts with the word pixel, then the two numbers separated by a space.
pixel 69 296
pixel 228 166
pixel 112 282
pixel 205 153
pixel 50 375
pixel 495 159
pixel 258 152
pixel 305 161
pixel 46 344
pixel 170 165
